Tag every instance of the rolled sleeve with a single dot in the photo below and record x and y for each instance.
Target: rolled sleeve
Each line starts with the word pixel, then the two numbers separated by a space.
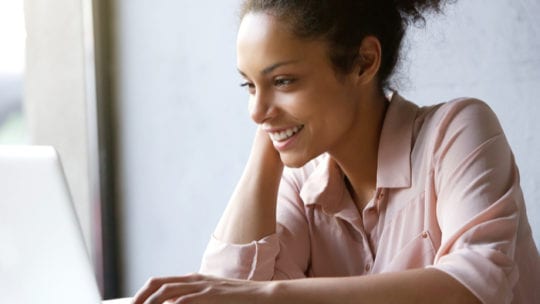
pixel 282 255
pixel 253 261
pixel 479 274
pixel 479 201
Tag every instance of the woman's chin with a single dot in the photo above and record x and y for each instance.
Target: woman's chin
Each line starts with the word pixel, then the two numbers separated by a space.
pixel 294 161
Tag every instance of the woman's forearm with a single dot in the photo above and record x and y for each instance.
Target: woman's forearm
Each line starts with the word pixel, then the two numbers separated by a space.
pixel 412 286
pixel 251 212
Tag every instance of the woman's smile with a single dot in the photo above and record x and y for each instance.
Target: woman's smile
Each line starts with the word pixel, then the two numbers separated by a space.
pixel 283 138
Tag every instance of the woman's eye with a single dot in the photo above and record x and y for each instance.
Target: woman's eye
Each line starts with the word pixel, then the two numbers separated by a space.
pixel 250 86
pixel 280 82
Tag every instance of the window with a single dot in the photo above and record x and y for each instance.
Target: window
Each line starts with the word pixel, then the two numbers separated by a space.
pixel 12 55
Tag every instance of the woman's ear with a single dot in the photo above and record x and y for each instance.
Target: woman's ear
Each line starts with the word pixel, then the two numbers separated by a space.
pixel 369 60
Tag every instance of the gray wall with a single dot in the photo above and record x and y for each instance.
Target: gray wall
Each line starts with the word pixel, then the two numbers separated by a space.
pixel 184 127
pixel 184 130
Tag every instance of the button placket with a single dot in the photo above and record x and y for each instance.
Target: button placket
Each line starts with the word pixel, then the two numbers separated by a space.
pixel 370 215
pixel 370 218
pixel 367 268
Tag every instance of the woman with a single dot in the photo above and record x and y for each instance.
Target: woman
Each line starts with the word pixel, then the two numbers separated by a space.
pixel 358 196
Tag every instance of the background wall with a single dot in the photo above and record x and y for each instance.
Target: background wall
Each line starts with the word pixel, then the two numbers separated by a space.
pixel 184 131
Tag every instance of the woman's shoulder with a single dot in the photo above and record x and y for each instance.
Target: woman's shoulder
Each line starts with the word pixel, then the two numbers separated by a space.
pixel 458 108
pixel 457 114
pixel 462 125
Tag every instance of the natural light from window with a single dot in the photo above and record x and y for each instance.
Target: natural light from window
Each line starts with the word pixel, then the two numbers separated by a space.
pixel 12 64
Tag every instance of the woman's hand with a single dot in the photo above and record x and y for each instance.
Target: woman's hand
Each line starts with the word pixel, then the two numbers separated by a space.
pixel 251 212
pixel 201 289
pixel 263 150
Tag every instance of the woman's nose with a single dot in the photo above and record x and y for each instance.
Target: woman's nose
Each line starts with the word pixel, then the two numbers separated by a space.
pixel 261 108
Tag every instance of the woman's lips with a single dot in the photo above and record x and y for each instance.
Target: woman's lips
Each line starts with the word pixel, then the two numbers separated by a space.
pixel 284 138
pixel 285 134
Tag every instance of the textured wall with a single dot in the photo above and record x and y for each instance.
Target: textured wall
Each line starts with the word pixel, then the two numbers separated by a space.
pixel 185 131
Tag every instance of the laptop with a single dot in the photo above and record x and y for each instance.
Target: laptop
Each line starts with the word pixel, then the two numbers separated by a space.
pixel 43 258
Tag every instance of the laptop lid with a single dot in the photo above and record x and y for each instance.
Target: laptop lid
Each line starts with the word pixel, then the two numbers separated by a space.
pixel 43 258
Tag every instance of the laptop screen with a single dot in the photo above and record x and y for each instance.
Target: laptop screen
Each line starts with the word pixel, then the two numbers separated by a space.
pixel 43 258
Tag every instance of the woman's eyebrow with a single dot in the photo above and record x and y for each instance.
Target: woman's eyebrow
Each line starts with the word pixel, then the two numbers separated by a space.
pixel 272 67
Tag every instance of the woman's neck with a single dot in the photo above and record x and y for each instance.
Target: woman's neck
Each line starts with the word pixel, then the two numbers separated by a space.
pixel 357 156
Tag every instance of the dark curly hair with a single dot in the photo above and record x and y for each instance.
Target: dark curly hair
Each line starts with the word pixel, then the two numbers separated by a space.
pixel 345 23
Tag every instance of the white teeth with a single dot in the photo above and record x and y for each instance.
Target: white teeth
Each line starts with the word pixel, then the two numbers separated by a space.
pixel 283 135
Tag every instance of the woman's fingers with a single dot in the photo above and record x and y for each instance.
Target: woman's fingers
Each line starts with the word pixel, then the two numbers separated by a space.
pixel 196 288
pixel 154 284
pixel 198 298
pixel 170 291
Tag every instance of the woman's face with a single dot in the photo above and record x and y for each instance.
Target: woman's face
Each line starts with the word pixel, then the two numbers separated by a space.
pixel 294 92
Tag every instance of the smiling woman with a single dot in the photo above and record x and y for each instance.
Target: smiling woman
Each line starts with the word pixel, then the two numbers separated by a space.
pixel 351 192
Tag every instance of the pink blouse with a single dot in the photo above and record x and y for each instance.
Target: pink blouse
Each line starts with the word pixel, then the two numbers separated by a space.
pixel 448 197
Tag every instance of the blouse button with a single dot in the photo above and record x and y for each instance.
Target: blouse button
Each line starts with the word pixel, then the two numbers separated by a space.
pixel 368 267
pixel 425 235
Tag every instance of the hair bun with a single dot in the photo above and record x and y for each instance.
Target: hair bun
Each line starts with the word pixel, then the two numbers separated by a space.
pixel 413 11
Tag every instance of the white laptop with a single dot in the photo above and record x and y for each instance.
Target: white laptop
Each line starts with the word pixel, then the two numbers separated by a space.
pixel 43 258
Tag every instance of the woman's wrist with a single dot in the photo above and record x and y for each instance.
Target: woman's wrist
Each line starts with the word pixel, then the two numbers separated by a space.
pixel 251 212
pixel 272 292
pixel 294 291
pixel 264 159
